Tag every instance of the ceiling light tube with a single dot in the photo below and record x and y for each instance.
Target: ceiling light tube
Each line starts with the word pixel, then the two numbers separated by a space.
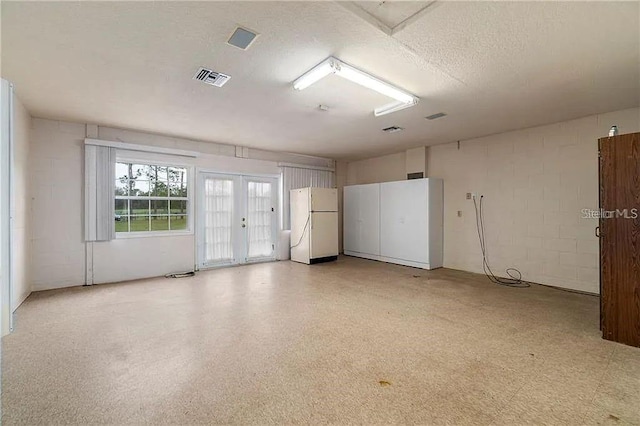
pixel 332 65
pixel 370 82
pixel 392 107
pixel 316 73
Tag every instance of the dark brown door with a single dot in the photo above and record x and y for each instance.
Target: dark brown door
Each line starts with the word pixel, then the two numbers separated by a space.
pixel 620 238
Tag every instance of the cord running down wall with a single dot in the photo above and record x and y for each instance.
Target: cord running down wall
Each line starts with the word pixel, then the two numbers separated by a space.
pixel 515 276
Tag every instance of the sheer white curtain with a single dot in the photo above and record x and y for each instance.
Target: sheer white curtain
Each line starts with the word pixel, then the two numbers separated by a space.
pixel 259 198
pixel 300 177
pixel 218 198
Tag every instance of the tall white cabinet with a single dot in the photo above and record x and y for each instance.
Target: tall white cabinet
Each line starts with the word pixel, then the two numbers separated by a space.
pixel 362 214
pixel 396 222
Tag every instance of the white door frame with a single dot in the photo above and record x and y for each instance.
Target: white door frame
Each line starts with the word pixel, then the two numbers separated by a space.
pixel 6 205
pixel 239 234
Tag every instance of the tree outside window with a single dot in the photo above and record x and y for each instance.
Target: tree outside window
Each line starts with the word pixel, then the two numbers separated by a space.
pixel 151 198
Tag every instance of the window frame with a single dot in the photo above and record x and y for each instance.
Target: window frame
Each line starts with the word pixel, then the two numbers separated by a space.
pixel 189 198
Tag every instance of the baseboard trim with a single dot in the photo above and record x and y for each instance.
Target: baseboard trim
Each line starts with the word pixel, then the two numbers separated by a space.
pixel 385 259
pixel 22 299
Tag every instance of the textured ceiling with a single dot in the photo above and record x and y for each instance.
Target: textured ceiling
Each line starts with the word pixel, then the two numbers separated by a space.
pixel 389 16
pixel 491 66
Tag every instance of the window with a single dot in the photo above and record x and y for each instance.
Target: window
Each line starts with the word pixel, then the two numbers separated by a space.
pixel 151 198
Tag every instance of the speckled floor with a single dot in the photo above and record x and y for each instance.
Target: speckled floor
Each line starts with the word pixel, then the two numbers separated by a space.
pixel 353 341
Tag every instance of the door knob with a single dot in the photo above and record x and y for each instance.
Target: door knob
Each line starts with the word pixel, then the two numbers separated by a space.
pixel 244 226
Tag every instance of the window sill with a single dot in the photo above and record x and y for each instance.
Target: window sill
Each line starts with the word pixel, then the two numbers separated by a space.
pixel 151 234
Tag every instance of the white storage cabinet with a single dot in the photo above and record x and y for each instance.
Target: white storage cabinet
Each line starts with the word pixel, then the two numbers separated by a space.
pixel 396 222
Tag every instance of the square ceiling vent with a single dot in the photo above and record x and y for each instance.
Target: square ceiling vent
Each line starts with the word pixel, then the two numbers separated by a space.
pixel 242 38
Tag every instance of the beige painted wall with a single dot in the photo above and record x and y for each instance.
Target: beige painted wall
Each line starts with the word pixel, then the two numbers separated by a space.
pixel 416 160
pixel 379 169
pixel 22 204
pixel 56 169
pixel 535 182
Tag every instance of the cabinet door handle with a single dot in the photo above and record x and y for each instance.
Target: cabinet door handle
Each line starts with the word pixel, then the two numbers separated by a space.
pixel 597 231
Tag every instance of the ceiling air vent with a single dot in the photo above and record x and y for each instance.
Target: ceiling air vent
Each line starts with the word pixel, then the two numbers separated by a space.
pixel 434 116
pixel 242 38
pixel 392 129
pixel 211 77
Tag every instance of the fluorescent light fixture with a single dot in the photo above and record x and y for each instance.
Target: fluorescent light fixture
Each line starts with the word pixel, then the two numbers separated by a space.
pixel 318 72
pixel 363 79
pixel 332 65
pixel 392 107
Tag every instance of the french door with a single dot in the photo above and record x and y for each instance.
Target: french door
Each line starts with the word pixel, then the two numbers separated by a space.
pixel 237 219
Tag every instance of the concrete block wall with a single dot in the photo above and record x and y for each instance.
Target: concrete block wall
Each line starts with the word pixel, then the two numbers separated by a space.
pixel 535 184
pixel 58 251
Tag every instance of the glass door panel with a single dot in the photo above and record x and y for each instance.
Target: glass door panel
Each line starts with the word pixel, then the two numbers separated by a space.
pixel 260 218
pixel 237 219
pixel 219 201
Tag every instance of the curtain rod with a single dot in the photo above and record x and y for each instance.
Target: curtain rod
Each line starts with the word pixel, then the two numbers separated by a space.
pixel 141 148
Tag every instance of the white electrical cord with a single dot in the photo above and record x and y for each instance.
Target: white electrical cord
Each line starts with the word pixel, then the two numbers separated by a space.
pixel 304 231
pixel 515 276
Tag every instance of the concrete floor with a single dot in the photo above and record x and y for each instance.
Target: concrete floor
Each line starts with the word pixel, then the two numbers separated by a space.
pixel 353 341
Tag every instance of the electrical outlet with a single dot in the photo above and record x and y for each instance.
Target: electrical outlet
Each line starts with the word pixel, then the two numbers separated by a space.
pixel 468 195
pixel 459 213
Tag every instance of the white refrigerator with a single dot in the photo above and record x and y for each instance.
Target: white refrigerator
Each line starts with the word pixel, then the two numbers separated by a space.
pixel 314 225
